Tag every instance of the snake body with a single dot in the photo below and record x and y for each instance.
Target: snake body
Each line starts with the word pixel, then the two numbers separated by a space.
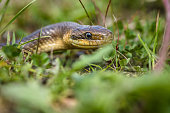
pixel 66 35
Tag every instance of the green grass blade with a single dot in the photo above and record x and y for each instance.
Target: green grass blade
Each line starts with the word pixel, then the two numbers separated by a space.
pixel 8 39
pixel 32 40
pixel 147 50
pixel 96 66
pixel 155 41
pixel 13 39
pixel 3 11
pixel 20 41
pixel 144 45
pixel 19 13
pixel 38 41
pixel 93 70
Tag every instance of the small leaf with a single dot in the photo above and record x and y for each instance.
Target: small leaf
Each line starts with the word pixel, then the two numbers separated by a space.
pixel 94 58
pixel 11 51
pixel 40 60
pixel 124 62
pixel 130 34
pixel 110 56
pixel 139 26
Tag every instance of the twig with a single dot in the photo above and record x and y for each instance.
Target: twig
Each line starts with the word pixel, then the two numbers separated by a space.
pixel 38 41
pixel 104 21
pixel 99 12
pixel 86 11
pixel 157 20
pixel 117 32
pixel 166 39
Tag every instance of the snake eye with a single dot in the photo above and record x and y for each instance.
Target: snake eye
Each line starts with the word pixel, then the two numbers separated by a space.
pixel 88 35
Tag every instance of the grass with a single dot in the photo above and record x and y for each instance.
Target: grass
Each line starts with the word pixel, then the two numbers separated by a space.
pixel 13 19
pixel 107 80
pixel 147 50
pixel 3 11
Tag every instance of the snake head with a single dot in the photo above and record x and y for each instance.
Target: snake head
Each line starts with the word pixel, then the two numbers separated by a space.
pixel 85 36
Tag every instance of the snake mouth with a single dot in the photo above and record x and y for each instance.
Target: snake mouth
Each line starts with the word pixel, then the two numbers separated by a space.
pixel 86 43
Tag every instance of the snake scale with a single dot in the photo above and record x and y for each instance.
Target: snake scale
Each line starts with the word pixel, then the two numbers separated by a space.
pixel 66 35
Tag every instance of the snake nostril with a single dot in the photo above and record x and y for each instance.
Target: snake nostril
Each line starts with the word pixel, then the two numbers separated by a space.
pixel 102 38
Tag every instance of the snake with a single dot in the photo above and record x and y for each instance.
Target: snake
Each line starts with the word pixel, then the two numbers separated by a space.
pixel 64 36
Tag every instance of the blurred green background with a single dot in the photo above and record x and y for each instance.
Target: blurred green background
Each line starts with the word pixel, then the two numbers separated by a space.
pixel 44 12
pixel 106 81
